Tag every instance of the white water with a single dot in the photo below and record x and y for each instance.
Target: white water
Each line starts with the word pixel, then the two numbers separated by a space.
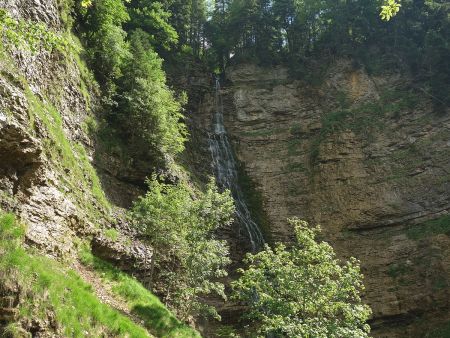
pixel 226 172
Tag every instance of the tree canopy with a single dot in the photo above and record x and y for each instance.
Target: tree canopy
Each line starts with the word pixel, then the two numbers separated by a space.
pixel 303 291
pixel 414 38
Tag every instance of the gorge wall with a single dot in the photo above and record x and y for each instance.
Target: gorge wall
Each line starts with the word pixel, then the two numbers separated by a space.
pixel 366 157
pixel 47 175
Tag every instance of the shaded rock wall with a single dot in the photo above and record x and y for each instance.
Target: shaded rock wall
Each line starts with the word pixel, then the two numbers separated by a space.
pixel 366 158
pixel 46 153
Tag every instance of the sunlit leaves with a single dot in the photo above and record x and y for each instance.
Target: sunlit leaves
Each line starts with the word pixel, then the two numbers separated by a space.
pixel 148 110
pixel 389 9
pixel 27 35
pixel 181 230
pixel 86 3
pixel 303 291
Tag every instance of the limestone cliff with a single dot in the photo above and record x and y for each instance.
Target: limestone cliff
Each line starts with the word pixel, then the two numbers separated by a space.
pixel 368 159
pixel 47 178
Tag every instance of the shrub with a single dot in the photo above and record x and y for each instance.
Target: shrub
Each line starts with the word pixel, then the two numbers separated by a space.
pixel 102 22
pixel 303 291
pixel 181 230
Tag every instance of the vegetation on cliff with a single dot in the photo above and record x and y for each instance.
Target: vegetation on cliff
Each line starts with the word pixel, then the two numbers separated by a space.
pixel 51 294
pixel 303 291
pixel 309 33
pixel 188 258
pixel 295 292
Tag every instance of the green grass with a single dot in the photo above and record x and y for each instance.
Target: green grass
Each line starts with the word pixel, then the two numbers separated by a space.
pixel 48 286
pixel 398 269
pixel 142 303
pixel 343 99
pixel 293 147
pixel 438 226
pixel 395 101
pixel 112 234
pixel 442 331
pixel 295 168
pixel 69 157
pixel 295 129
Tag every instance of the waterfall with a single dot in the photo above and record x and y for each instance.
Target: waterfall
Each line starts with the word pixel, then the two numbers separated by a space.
pixel 226 172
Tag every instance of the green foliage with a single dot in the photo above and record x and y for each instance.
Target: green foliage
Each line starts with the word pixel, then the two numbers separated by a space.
pixel 48 286
pixel 148 111
pixel 22 34
pixel 397 100
pixel 441 331
pixel 102 32
pixel 140 110
pixel 141 302
pixel 254 200
pixel 153 18
pixel 303 291
pixel 398 269
pixel 389 9
pixel 295 129
pixel 364 119
pixel 434 227
pixel 181 230
pixel 295 167
pixel 306 35
pixel 71 157
pixel 112 234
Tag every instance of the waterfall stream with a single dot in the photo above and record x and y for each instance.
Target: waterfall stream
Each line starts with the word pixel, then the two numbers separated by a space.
pixel 225 167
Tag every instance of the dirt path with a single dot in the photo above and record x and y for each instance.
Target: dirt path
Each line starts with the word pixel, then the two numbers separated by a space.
pixel 103 291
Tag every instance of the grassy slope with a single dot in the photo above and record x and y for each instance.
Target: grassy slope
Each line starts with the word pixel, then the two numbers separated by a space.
pixel 48 286
pixel 142 303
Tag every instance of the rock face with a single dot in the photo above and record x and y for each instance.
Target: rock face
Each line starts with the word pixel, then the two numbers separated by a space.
pixel 368 160
pixel 360 155
pixel 46 172
pixel 42 108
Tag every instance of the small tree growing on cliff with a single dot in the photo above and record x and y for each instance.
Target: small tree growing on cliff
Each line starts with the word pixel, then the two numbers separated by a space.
pixel 303 291
pixel 188 258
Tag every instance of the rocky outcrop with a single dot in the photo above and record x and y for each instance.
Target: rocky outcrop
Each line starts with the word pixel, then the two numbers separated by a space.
pixel 368 159
pixel 122 246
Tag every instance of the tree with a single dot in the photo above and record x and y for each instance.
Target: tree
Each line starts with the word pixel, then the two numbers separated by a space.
pixel 389 9
pixel 102 31
pixel 303 291
pixel 188 258
pixel 154 19
pixel 149 115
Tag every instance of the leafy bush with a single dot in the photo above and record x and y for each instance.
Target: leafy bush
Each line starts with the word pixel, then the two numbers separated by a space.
pixel 107 49
pixel 153 18
pixel 434 227
pixel 181 230
pixel 303 291
pixel 23 34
